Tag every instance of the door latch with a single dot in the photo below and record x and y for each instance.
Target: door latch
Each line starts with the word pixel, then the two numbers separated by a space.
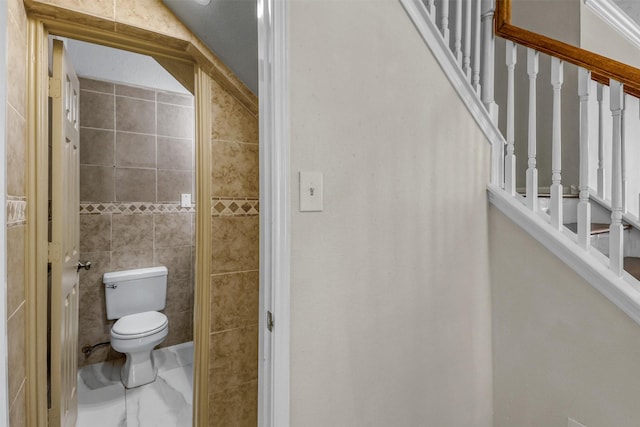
pixel 86 265
pixel 270 321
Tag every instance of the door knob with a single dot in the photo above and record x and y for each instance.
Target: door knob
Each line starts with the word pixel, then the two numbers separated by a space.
pixel 86 265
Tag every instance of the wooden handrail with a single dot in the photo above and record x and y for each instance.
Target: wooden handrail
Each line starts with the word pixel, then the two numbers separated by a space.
pixel 602 68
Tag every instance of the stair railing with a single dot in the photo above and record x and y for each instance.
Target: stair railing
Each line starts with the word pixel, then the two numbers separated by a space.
pixel 472 43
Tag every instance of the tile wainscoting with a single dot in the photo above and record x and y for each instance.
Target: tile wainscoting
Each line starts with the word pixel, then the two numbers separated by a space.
pixel 139 237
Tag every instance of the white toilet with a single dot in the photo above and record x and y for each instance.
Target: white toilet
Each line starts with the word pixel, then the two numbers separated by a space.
pixel 133 297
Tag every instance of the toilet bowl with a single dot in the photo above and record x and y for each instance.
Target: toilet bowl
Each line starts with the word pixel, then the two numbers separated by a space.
pixel 136 335
pixel 133 297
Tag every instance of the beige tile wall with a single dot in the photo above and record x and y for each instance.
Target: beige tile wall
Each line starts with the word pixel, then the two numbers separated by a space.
pixel 233 366
pixel 16 219
pixel 136 149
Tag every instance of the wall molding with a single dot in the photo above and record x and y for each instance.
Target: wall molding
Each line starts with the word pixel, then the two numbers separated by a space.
pixel 616 18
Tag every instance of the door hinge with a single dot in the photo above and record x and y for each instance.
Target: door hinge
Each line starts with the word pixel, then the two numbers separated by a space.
pixel 270 321
pixel 53 252
pixel 55 88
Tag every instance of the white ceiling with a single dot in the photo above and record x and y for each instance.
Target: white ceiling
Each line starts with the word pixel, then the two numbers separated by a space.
pixel 229 28
pixel 120 66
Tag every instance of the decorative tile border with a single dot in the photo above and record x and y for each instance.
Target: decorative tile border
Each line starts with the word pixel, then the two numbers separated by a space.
pixel 16 212
pixel 219 207
pixel 133 208
pixel 234 207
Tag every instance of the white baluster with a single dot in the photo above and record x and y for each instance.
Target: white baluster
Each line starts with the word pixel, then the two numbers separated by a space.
pixel 556 145
pixel 532 172
pixel 616 254
pixel 510 160
pixel 488 59
pixel 457 49
pixel 623 150
pixel 431 5
pixel 475 81
pixel 466 61
pixel 584 207
pixel 444 21
pixel 601 170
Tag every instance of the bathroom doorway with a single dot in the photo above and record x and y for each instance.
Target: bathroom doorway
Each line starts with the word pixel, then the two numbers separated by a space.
pixel 137 187
pixel 226 334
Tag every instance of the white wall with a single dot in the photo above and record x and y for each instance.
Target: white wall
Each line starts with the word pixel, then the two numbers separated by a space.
pixel 561 349
pixel 390 283
pixel 558 19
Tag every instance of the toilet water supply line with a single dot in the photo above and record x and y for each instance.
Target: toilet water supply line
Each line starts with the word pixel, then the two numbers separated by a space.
pixel 88 349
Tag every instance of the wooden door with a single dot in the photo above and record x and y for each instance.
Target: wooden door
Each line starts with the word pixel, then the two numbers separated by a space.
pixel 64 246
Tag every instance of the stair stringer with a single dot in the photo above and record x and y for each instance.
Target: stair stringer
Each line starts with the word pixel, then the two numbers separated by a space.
pixel 592 266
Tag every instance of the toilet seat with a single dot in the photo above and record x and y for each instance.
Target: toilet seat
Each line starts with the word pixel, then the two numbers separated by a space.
pixel 139 325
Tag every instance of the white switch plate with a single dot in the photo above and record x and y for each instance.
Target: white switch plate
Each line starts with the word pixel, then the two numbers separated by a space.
pixel 310 191
pixel 573 423
pixel 185 200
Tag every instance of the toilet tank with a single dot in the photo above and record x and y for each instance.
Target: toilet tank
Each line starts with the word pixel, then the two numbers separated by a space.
pixel 135 291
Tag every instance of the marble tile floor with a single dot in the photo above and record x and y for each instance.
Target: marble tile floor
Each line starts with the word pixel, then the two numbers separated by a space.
pixel 104 402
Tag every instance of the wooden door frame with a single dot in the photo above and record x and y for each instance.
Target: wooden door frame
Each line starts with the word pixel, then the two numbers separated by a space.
pixel 4 390
pixel 39 27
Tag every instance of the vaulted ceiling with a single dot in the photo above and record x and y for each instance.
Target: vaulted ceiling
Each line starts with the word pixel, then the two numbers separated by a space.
pixel 229 28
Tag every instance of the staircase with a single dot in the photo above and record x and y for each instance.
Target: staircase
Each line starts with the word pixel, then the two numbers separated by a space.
pixel 591 221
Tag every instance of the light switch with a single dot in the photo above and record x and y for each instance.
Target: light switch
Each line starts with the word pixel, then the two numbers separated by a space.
pixel 310 191
pixel 185 200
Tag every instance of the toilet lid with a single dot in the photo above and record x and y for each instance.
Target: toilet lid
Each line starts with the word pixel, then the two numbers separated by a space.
pixel 140 323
